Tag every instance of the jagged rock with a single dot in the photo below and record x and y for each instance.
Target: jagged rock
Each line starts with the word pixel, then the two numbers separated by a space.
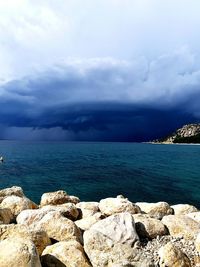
pixel 38 237
pixel 29 217
pixel 88 208
pixel 111 240
pixel 195 216
pixel 110 206
pixel 182 209
pixel 155 210
pixel 189 133
pixel 65 253
pixel 12 191
pixel 148 227
pixel 171 256
pixel 57 198
pixel 6 216
pixel 17 204
pixel 17 252
pixel 85 223
pixel 181 226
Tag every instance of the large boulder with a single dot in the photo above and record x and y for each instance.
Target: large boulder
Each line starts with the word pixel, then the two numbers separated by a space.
pixel 155 210
pixel 58 227
pixel 17 252
pixel 110 206
pixel 148 227
pixel 171 256
pixel 29 217
pixel 38 237
pixel 16 204
pixel 65 253
pixel 181 226
pixel 6 216
pixel 182 209
pixel 53 222
pixel 56 198
pixel 12 191
pixel 85 223
pixel 88 208
pixel 111 240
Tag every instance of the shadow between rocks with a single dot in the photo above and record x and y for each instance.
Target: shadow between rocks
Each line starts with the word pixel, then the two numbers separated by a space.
pixel 51 261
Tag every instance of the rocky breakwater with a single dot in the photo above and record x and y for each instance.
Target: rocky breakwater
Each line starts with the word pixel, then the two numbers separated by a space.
pixel 63 231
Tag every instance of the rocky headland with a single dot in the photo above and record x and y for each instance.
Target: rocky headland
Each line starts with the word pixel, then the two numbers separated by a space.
pixel 114 232
pixel 188 134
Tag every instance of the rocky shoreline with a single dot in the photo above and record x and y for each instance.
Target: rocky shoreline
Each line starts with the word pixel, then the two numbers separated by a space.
pixel 63 231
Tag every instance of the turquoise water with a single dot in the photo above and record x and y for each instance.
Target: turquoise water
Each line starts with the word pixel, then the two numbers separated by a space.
pixel 92 171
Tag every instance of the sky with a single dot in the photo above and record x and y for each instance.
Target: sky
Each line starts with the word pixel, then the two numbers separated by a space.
pixel 98 70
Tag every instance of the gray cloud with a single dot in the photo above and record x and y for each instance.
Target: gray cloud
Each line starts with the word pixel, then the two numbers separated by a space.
pixel 104 99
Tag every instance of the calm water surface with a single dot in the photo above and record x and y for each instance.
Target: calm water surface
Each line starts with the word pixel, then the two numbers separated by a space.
pixel 92 171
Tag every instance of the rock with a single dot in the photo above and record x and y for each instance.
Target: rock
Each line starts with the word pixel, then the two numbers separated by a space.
pixel 29 217
pixel 85 223
pixel 196 261
pixel 110 206
pixel 88 208
pixel 57 198
pixel 53 222
pixel 65 253
pixel 182 209
pixel 68 210
pixel 5 216
pixel 73 199
pixel 197 243
pixel 17 204
pixel 181 226
pixel 111 240
pixel 148 227
pixel 17 252
pixel 171 256
pixel 156 210
pixel 12 191
pixel 58 227
pixel 195 216
pixel 38 237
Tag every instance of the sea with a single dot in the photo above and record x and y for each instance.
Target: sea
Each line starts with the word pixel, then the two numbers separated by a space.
pixel 96 170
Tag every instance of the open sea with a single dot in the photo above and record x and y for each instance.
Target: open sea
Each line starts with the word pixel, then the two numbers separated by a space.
pixel 92 171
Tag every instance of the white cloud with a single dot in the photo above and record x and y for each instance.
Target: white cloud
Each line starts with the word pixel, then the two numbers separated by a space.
pixel 35 35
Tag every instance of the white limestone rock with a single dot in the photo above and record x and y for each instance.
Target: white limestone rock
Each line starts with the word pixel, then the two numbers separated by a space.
pixel 38 237
pixel 156 210
pixel 16 204
pixel 182 209
pixel 57 198
pixel 17 252
pixel 85 223
pixel 110 206
pixel 88 208
pixel 181 226
pixel 65 253
pixel 111 240
pixel 171 256
pixel 148 227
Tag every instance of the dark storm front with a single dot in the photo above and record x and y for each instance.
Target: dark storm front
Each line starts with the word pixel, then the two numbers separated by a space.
pixel 92 171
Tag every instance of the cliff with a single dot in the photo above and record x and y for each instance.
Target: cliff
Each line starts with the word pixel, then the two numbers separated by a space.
pixel 189 133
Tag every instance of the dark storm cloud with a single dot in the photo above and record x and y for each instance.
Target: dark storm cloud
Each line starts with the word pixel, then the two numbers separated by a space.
pixel 103 99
